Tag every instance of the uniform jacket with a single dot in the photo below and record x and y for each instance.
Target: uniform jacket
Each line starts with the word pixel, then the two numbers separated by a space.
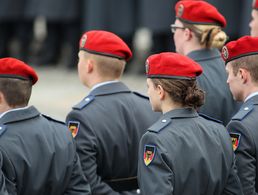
pixel 219 102
pixel 38 156
pixel 111 121
pixel 183 153
pixel 243 130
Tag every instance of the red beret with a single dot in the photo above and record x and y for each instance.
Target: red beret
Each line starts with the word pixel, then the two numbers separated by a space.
pixel 13 68
pixel 245 46
pixel 105 43
pixel 255 4
pixel 172 65
pixel 199 12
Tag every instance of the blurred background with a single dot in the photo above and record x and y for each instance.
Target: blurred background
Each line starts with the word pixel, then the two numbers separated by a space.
pixel 46 33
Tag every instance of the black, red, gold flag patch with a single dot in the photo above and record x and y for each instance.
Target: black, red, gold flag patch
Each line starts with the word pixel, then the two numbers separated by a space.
pixel 74 127
pixel 149 153
pixel 235 137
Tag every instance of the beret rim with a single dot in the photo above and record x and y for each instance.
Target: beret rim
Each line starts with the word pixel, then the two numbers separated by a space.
pixel 242 55
pixel 199 23
pixel 171 77
pixel 104 54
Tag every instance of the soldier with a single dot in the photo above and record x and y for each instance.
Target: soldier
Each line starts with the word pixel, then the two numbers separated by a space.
pixel 183 153
pixel 198 34
pixel 37 153
pixel 109 122
pixel 254 22
pixel 241 58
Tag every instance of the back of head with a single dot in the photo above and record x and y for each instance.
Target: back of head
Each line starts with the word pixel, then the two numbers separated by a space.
pixel 204 20
pixel 177 75
pixel 16 80
pixel 110 51
pixel 242 53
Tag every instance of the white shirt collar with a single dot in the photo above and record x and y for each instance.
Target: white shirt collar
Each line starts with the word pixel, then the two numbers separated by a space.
pixel 11 110
pixel 251 95
pixel 103 83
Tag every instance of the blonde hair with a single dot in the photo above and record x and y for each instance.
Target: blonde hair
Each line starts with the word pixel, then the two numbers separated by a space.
pixel 108 67
pixel 210 36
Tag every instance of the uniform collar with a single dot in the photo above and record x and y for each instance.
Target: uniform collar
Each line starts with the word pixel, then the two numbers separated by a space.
pixel 110 88
pixel 204 54
pixel 251 96
pixel 19 114
pixel 181 113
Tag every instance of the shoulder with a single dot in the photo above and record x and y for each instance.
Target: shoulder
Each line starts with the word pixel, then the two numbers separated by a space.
pixel 85 102
pixel 141 95
pixel 53 120
pixel 159 125
pixel 210 118
pixel 244 111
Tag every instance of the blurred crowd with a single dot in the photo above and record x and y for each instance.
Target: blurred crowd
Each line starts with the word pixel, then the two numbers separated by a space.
pixel 46 32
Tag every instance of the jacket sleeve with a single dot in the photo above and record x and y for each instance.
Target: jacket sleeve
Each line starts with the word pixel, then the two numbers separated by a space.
pixel 245 155
pixel 87 149
pixel 4 181
pixel 78 183
pixel 154 177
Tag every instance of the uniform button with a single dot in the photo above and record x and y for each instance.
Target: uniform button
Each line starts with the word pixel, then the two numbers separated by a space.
pixel 87 99
pixel 246 108
pixel 164 120
pixel 0 128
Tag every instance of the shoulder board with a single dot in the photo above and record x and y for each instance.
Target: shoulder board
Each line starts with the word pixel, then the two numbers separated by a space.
pixel 2 129
pixel 159 125
pixel 243 112
pixel 84 102
pixel 52 119
pixel 210 118
pixel 141 95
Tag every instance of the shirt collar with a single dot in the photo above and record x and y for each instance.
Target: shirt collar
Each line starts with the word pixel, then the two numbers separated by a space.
pixel 251 95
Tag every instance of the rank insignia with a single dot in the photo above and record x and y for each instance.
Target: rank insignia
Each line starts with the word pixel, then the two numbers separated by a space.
pixel 149 153
pixel 235 138
pixel 74 127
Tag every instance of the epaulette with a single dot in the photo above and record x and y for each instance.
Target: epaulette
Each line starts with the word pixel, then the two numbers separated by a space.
pixel 243 112
pixel 159 125
pixel 2 129
pixel 141 95
pixel 84 102
pixel 52 119
pixel 210 118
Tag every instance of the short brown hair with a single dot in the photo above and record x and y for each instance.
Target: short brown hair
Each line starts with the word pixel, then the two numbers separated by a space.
pixel 17 92
pixel 185 92
pixel 249 63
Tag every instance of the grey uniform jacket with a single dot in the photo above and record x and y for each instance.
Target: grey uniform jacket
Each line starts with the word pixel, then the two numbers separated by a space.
pixel 111 121
pixel 183 154
pixel 243 129
pixel 219 103
pixel 38 156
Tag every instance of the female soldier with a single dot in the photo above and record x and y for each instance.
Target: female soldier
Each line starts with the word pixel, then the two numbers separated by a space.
pixel 183 153
pixel 198 34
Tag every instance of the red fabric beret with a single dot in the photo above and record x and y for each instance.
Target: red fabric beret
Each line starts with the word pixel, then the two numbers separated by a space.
pixel 172 65
pixel 199 12
pixel 255 4
pixel 13 68
pixel 245 46
pixel 105 43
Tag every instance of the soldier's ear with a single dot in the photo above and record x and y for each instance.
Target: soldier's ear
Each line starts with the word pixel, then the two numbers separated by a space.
pixel 89 65
pixel 3 104
pixel 244 75
pixel 161 92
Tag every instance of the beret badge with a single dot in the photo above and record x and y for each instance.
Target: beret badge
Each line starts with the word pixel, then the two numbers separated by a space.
pixel 147 67
pixel 180 10
pixel 225 52
pixel 83 40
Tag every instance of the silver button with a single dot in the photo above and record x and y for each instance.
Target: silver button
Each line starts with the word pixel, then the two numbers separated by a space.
pixel 164 120
pixel 87 99
pixel 246 108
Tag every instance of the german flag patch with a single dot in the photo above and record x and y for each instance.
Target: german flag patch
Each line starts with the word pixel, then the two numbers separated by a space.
pixel 235 138
pixel 74 127
pixel 149 153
